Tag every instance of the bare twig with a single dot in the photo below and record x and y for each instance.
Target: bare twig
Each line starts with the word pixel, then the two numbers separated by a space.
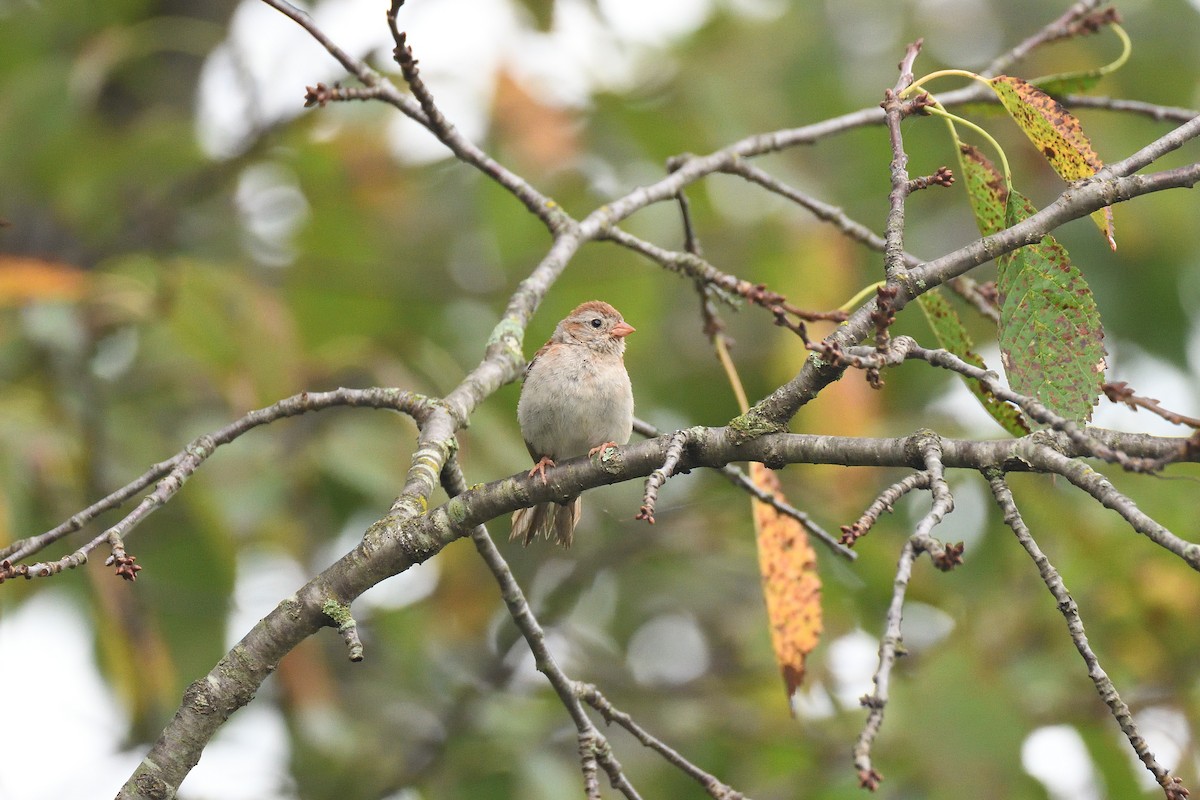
pixel 889 648
pixel 1121 105
pixel 1172 786
pixel 1164 144
pixel 1122 392
pixel 691 240
pixel 544 208
pixel 906 66
pixel 739 478
pixel 657 478
pixel 966 287
pixel 893 250
pixel 1057 29
pixel 172 474
pixel 541 206
pixel 1099 487
pixel 697 268
pixel 944 557
pixel 320 95
pixel 742 481
pixel 593 746
pixel 23 548
pixel 899 348
pixel 884 502
pixel 714 787
pixel 387 91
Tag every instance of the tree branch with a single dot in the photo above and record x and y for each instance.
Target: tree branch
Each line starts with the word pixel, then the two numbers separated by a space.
pixel 172 473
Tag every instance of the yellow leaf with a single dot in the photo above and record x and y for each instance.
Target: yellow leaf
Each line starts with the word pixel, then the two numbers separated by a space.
pixel 790 582
pixel 1057 134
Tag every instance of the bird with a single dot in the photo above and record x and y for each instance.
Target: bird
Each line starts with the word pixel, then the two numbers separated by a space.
pixel 576 399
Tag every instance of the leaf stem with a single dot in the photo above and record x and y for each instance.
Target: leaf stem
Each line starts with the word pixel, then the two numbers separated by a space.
pixel 731 373
pixel 941 73
pixel 953 119
pixel 856 301
pixel 1099 72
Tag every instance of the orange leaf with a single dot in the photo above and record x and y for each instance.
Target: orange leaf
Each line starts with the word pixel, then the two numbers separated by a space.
pixel 23 279
pixel 790 582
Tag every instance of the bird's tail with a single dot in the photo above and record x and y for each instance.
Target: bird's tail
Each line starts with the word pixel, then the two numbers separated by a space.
pixel 557 519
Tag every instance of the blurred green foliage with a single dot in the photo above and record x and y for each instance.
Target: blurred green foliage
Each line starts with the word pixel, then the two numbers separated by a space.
pixel 393 274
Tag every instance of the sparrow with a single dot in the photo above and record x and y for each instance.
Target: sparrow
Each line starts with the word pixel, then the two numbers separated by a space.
pixel 576 399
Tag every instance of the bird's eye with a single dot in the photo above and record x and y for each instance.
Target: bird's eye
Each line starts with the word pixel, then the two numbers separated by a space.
pixel 596 323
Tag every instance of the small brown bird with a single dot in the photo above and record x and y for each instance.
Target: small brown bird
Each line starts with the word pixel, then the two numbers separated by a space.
pixel 576 399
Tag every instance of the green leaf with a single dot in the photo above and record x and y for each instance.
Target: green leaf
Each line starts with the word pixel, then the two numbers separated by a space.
pixel 953 336
pixel 1056 133
pixel 985 187
pixel 1072 83
pixel 1051 339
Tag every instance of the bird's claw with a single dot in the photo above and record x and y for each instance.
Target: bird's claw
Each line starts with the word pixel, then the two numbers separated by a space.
pixel 540 467
pixel 600 447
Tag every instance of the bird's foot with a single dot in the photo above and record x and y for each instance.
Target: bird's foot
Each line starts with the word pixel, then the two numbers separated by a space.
pixel 540 467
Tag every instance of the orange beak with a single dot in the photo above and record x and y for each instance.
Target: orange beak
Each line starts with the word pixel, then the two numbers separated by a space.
pixel 622 329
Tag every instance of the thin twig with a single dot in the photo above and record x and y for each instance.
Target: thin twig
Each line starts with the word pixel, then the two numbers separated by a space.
pixel 740 479
pixel 1048 33
pixel 893 251
pixel 23 548
pixel 885 501
pixel 1089 480
pixel 321 95
pixel 1151 110
pixel 541 206
pixel 1122 392
pixel 900 348
pixel 715 788
pixel 889 648
pixel 1172 786
pixel 945 557
pixel 544 208
pixel 691 240
pixel 697 268
pixel 387 90
pixel 185 463
pixel 1169 142
pixel 966 287
pixel 593 746
pixel 660 476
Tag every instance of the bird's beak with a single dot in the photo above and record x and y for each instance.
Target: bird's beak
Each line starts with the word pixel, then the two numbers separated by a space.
pixel 622 329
